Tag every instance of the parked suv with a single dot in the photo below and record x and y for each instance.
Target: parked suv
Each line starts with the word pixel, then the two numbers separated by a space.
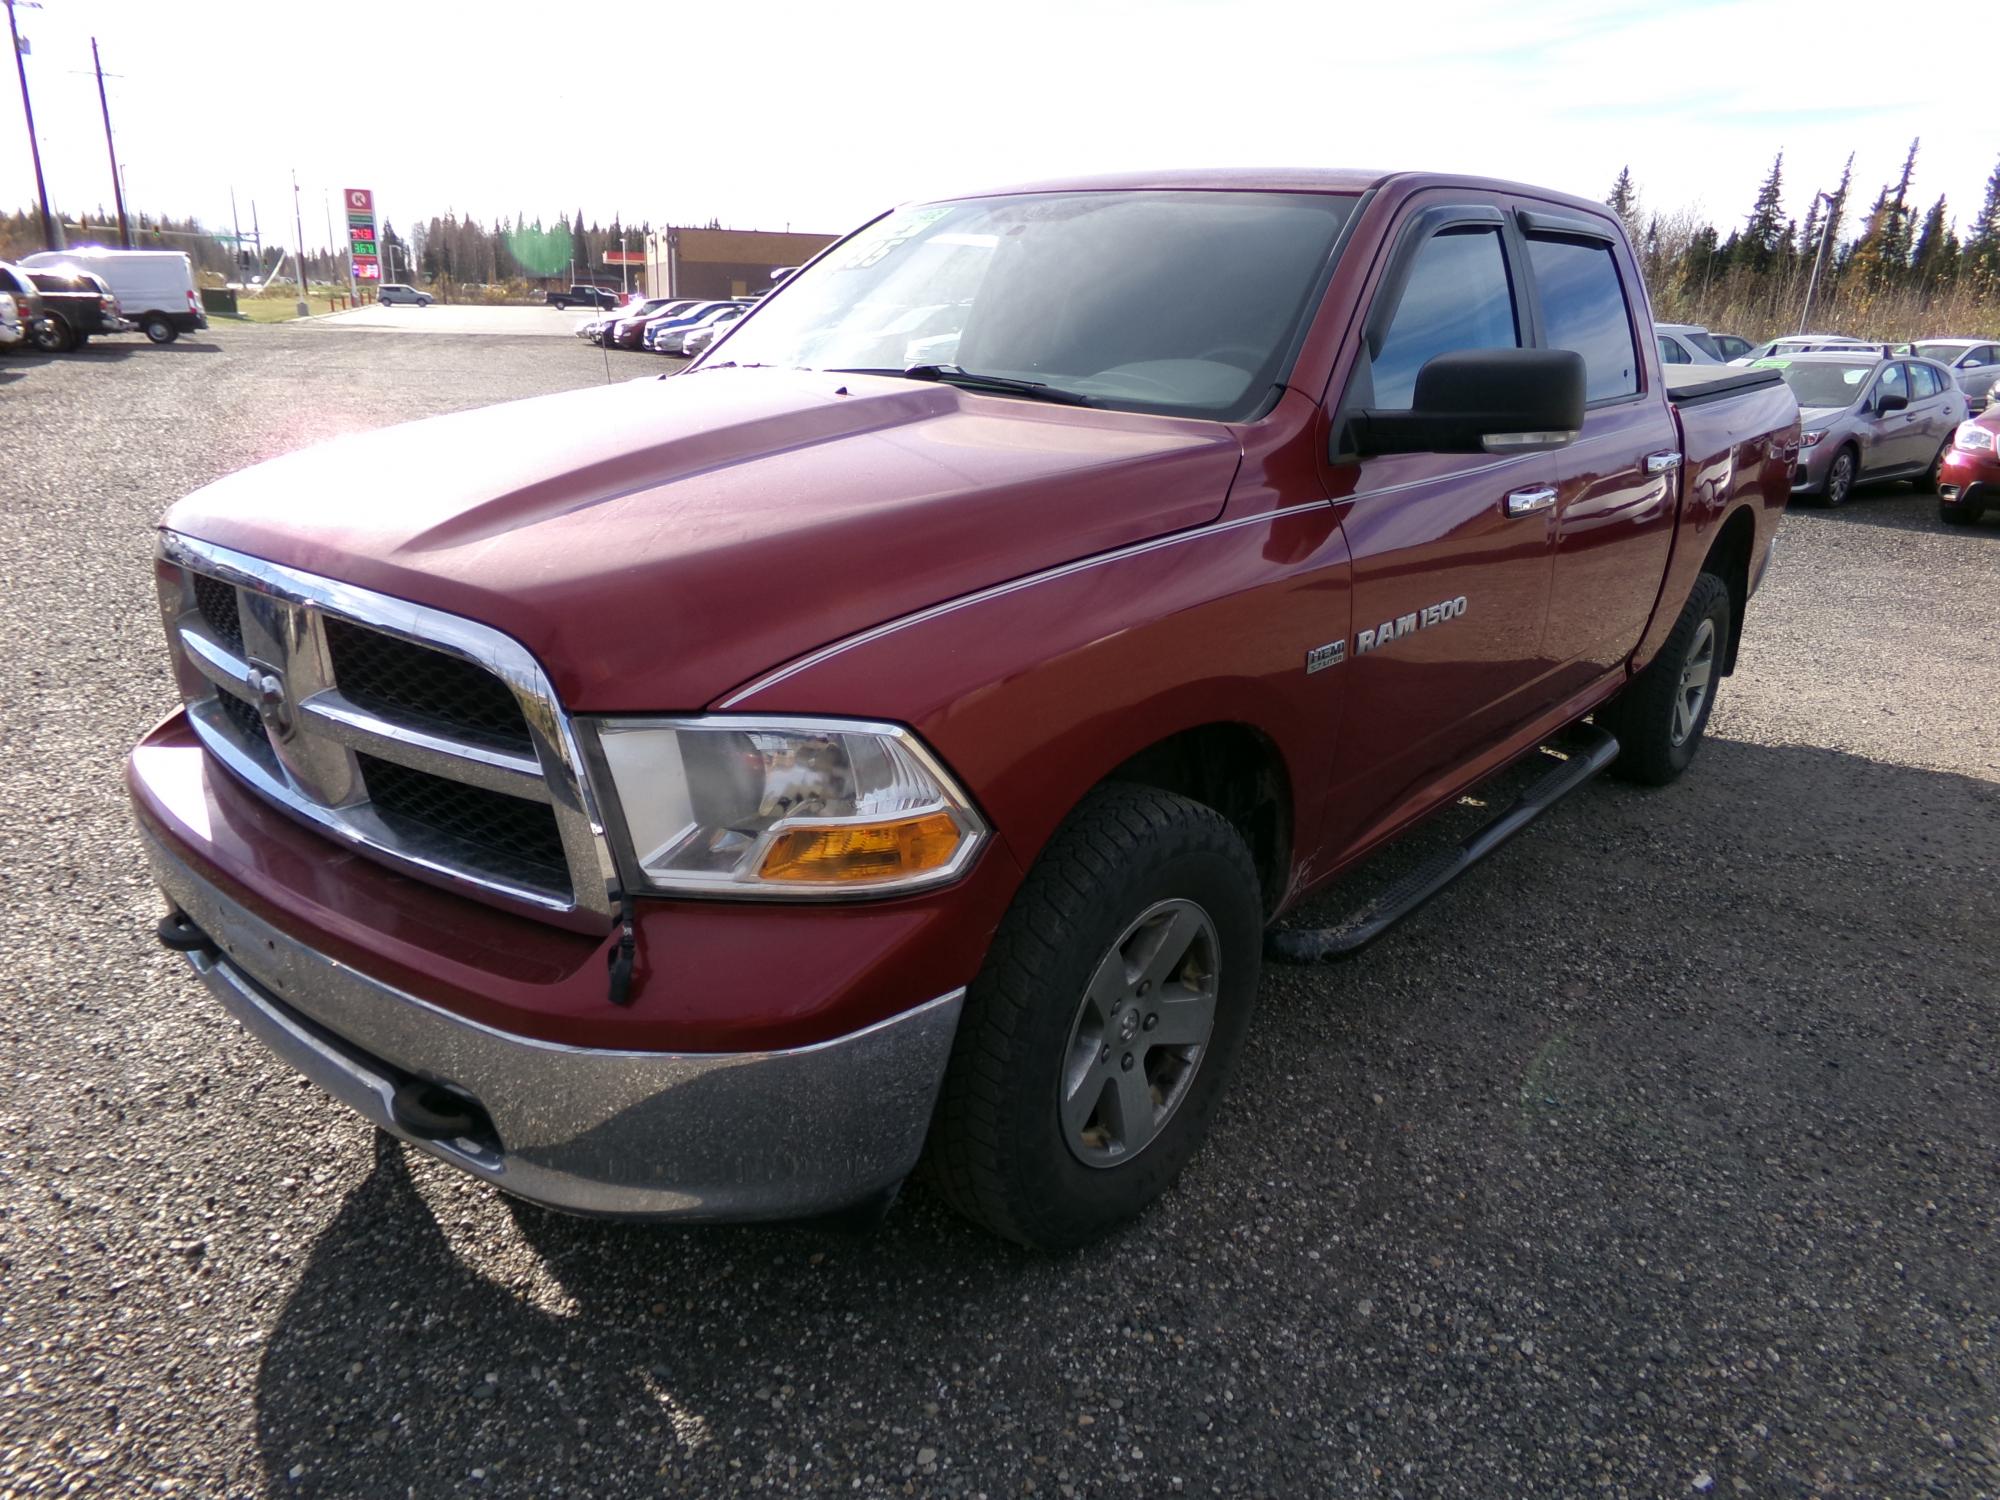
pixel 78 307
pixel 584 295
pixel 394 293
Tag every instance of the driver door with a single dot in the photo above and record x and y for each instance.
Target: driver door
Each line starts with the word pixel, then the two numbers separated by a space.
pixel 1451 552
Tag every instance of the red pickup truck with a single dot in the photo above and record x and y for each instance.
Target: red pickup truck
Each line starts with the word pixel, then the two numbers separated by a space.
pixel 900 735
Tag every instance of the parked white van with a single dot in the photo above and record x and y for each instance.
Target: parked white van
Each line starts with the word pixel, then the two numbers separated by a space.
pixel 155 288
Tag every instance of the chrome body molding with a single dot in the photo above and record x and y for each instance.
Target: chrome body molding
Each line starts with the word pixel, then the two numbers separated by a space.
pixel 282 669
pixel 700 1136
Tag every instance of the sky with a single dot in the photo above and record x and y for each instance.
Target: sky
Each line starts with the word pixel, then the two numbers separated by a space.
pixel 816 116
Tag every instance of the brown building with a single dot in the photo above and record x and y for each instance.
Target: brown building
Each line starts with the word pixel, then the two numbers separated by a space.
pixel 723 262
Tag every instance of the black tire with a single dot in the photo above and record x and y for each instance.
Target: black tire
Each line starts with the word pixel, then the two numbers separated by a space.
pixel 159 330
pixel 1957 515
pixel 998 1150
pixel 1840 477
pixel 53 335
pixel 1652 747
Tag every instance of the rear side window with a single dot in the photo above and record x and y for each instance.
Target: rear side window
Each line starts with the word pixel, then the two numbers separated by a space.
pixel 1457 298
pixel 1706 345
pixel 1583 308
pixel 1670 352
pixel 1923 382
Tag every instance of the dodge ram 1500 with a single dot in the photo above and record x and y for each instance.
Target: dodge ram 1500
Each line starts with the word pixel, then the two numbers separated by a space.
pixel 899 735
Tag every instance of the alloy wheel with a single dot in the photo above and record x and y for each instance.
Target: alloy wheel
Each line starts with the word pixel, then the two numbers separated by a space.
pixel 1696 672
pixel 1139 1034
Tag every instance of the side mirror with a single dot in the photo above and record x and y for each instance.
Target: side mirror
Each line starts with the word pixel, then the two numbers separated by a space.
pixel 1481 401
pixel 781 272
pixel 1889 401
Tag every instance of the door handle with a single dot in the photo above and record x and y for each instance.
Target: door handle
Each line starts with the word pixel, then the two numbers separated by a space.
pixel 1527 502
pixel 1661 463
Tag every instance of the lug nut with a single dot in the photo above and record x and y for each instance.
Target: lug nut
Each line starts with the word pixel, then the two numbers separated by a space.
pixel 1152 1021
pixel 1145 986
pixel 1104 1054
pixel 1128 1062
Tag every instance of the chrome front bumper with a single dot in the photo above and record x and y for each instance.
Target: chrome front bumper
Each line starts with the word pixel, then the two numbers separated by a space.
pixel 700 1136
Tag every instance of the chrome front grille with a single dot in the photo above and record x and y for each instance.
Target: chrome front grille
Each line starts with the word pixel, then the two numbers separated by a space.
pixel 429 740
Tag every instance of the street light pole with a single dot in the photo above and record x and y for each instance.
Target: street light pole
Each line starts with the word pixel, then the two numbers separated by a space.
pixel 51 240
pixel 299 231
pixel 1819 256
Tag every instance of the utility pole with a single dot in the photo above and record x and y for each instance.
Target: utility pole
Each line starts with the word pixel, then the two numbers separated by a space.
pixel 299 230
pixel 51 237
pixel 257 235
pixel 624 275
pixel 236 236
pixel 117 187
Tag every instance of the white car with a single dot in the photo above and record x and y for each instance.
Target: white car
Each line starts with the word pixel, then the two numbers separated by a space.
pixel 1803 343
pixel 714 325
pixel 1686 344
pixel 13 331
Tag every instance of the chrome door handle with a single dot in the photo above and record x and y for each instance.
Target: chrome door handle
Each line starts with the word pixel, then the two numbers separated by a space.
pixel 1527 502
pixel 1660 463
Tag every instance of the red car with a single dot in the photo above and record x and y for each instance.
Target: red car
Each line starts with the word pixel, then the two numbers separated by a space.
pixel 1969 476
pixel 905 729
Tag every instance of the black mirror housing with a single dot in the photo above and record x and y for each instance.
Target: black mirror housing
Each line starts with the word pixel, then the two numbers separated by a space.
pixel 1889 401
pixel 1481 401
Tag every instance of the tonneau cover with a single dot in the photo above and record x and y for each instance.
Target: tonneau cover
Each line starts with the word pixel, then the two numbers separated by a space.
pixel 1690 385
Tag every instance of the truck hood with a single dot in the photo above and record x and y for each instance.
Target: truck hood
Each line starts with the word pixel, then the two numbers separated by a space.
pixel 658 542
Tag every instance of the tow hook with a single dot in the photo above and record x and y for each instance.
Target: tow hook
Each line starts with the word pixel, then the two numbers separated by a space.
pixel 178 932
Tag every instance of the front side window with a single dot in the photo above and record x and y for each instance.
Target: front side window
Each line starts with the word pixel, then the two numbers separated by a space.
pixel 1672 353
pixel 1892 383
pixel 1457 297
pixel 1186 303
pixel 1583 308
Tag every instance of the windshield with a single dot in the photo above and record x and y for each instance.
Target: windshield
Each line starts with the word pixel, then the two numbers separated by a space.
pixel 1828 383
pixel 1706 345
pixel 1944 354
pixel 1181 302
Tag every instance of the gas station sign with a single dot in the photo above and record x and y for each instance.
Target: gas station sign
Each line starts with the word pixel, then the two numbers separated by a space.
pixel 361 243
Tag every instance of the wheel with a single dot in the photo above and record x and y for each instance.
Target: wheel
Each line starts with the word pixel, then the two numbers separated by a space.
pixel 1839 478
pixel 1957 515
pixel 159 330
pixel 1097 1037
pixel 1930 480
pixel 53 336
pixel 1660 716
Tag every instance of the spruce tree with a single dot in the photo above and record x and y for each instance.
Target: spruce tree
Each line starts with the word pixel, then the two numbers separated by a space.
pixel 1765 224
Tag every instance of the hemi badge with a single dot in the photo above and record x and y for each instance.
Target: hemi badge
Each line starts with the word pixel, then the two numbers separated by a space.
pixel 1330 655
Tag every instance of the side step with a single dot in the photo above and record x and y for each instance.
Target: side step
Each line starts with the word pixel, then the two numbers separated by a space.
pixel 1588 750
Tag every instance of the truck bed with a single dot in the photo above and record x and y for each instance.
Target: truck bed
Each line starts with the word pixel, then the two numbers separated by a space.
pixel 1691 385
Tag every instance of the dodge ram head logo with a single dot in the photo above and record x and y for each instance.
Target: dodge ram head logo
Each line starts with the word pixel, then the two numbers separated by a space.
pixel 268 689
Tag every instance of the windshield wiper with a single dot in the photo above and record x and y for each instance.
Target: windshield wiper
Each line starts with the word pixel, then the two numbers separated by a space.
pixel 1036 390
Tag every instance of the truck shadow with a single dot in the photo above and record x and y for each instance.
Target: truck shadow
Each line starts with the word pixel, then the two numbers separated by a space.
pixel 1585 1099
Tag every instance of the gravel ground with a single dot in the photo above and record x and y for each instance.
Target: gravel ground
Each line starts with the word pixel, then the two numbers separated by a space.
pixel 1658 1158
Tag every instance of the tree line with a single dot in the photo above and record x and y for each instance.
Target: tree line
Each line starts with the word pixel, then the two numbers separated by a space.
pixel 450 249
pixel 1896 271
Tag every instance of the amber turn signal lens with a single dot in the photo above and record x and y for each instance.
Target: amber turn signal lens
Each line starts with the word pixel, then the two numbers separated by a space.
pixel 856 854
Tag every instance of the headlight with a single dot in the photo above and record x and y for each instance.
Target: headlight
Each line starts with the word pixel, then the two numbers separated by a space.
pixel 1811 439
pixel 1973 438
pixel 784 807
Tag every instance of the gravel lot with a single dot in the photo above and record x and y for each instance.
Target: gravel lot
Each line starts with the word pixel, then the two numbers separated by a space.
pixel 1659 1158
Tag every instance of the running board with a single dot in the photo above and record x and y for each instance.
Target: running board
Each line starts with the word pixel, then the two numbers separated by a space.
pixel 1587 751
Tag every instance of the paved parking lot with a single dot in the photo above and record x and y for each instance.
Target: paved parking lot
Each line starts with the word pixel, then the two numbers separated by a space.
pixel 1657 1159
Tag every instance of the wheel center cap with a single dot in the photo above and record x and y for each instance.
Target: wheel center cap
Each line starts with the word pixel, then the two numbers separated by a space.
pixel 1128 1025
